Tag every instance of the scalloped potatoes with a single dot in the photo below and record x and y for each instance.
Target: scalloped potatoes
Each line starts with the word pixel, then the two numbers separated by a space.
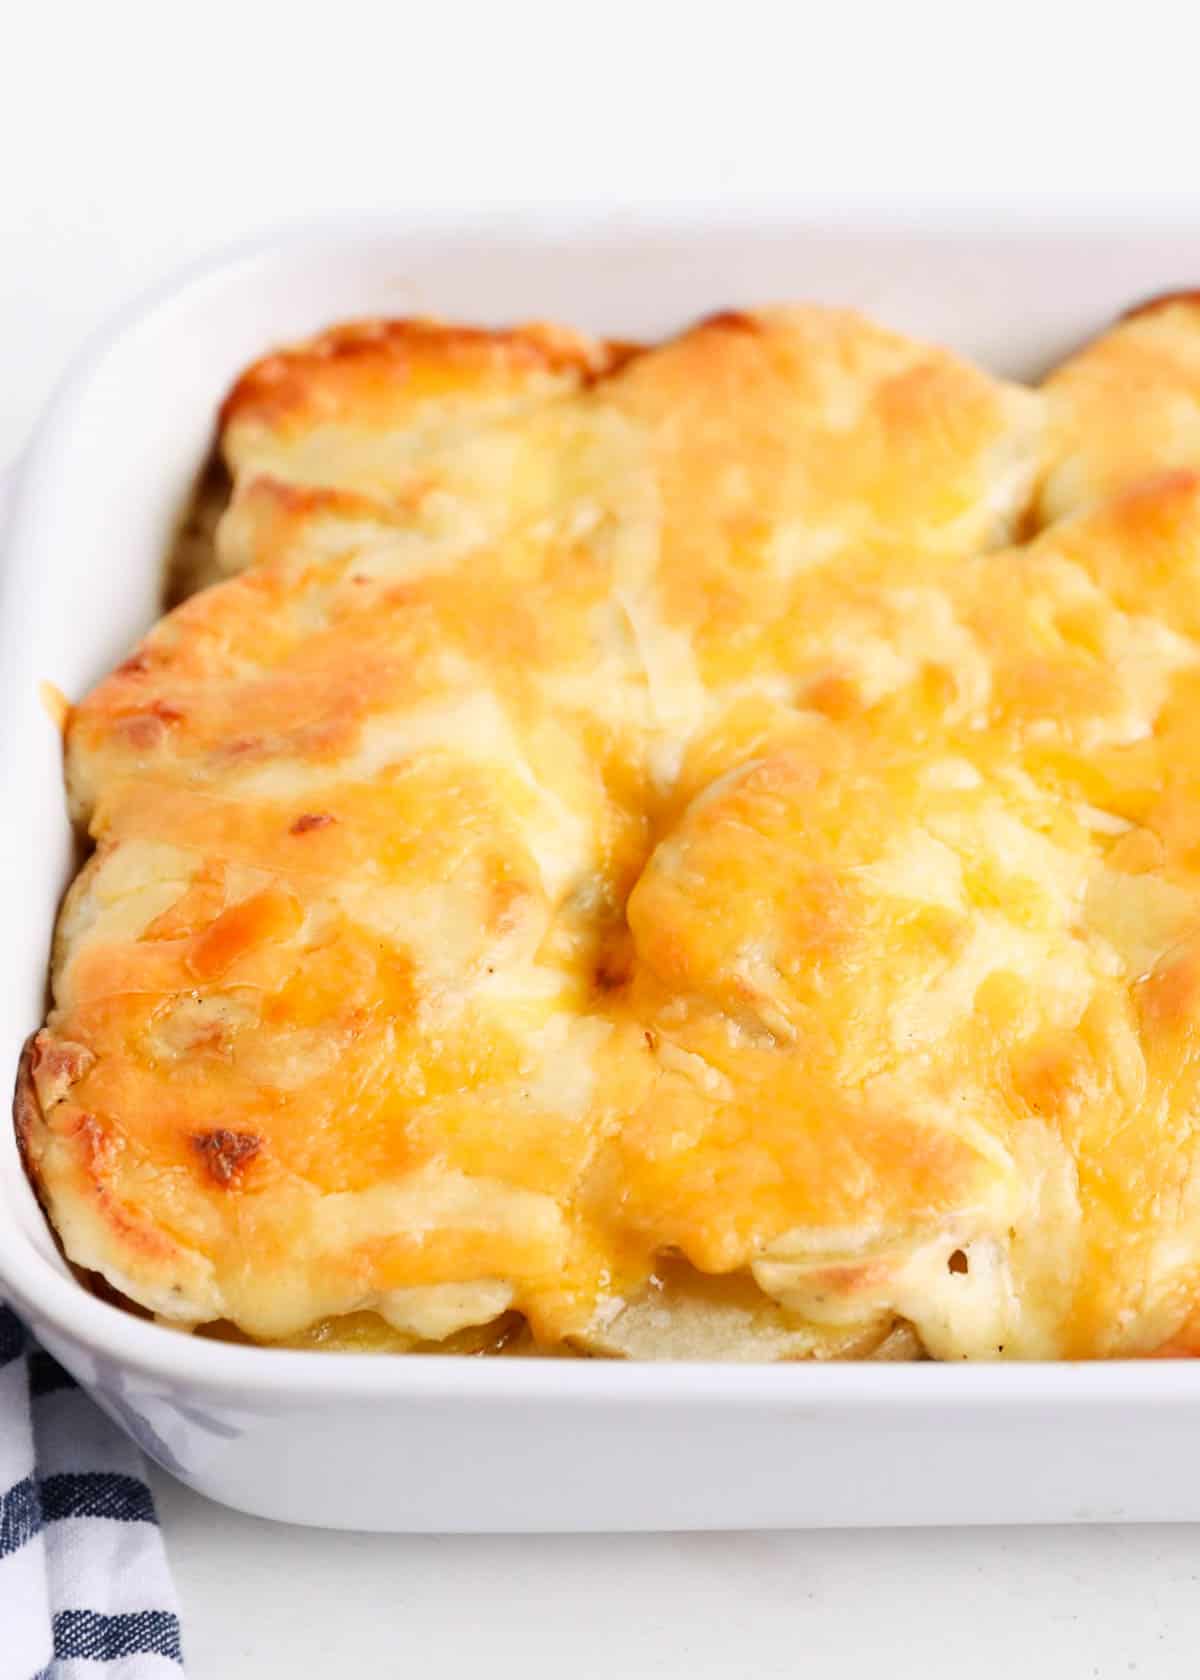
pixel 632 859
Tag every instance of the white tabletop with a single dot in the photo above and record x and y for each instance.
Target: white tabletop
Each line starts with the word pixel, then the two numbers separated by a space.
pixel 135 137
pixel 943 1604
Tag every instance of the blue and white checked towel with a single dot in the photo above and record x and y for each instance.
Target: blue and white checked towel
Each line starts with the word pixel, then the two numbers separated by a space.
pixel 84 1589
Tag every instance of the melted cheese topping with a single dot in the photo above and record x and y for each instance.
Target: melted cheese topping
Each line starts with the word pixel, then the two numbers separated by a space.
pixel 1126 407
pixel 629 846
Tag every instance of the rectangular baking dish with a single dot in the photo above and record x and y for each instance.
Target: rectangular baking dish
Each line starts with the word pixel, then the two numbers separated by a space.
pixel 438 1444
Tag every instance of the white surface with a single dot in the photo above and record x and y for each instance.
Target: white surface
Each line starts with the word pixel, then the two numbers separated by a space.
pixel 938 1604
pixel 134 136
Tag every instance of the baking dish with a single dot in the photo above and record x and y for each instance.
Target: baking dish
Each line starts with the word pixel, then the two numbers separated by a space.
pixel 437 1443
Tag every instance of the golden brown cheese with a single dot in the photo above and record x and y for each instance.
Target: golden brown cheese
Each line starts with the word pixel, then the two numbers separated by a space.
pixel 630 848
pixel 1126 406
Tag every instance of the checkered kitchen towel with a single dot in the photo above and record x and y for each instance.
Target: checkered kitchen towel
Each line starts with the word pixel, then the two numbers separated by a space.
pixel 84 1588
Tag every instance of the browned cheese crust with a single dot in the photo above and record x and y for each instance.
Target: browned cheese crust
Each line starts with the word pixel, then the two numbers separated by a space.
pixel 635 856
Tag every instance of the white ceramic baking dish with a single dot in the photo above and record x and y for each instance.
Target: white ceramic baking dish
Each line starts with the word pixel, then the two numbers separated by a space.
pixel 462 1445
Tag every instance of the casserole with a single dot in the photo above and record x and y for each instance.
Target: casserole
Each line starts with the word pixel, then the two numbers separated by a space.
pixel 503 1445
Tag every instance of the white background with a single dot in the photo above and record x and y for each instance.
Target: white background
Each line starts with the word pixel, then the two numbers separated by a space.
pixel 135 137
